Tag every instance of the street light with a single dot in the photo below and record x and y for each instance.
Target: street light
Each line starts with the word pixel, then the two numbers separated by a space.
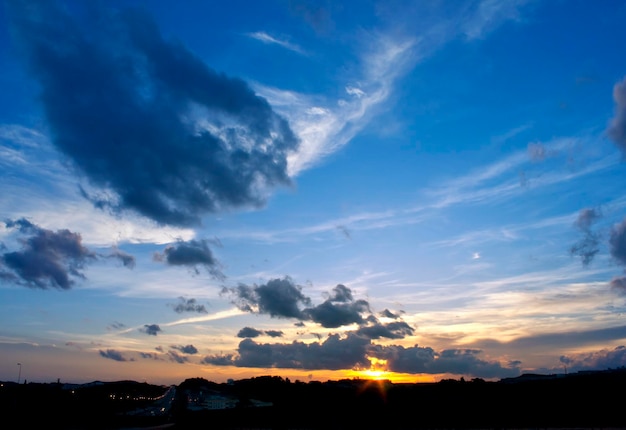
pixel 19 375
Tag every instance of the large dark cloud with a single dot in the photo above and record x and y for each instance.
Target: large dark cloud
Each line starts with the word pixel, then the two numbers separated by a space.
pixel 617 127
pixel 354 351
pixel 334 353
pixel 456 361
pixel 49 259
pixel 192 254
pixel 144 119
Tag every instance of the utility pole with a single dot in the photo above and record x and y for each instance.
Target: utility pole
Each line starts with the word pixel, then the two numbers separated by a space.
pixel 19 374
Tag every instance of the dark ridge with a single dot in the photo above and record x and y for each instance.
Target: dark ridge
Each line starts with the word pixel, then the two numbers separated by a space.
pixel 583 400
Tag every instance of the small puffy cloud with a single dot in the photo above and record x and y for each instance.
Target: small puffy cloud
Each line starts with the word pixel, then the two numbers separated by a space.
pixel 112 354
pixel 274 333
pixel 126 259
pixel 249 332
pixel 388 314
pixel 151 329
pixel 192 254
pixel 617 126
pixel 188 305
pixel 151 127
pixel 186 349
pixel 176 357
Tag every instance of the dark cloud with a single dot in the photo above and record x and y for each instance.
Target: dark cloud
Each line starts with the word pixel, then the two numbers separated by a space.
pixel 126 259
pixel 393 330
pixel 334 354
pixel 113 355
pixel 353 351
pixel 388 314
pixel 617 127
pixel 149 355
pixel 618 285
pixel 617 242
pixel 456 361
pixel 186 349
pixel 588 246
pixel 192 254
pixel 116 326
pixel 188 305
pixel 176 357
pixel 151 329
pixel 597 360
pixel 332 315
pixel 47 259
pixel 249 332
pixel 274 333
pixel 278 298
pixel 145 120
pixel 339 309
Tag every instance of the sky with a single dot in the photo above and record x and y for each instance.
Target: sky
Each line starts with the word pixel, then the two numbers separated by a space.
pixel 316 190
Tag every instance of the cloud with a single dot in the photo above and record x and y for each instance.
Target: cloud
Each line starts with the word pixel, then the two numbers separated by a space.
pixel 176 357
pixel 151 329
pixel 192 253
pixel 597 360
pixel 126 259
pixel 617 242
pixel 186 349
pixel 333 354
pixel 618 285
pixel 113 355
pixel 353 352
pixel 249 332
pixel 393 330
pixel 188 305
pixel 266 38
pixel 587 247
pixel 274 333
pixel 278 298
pixel 617 126
pixel 151 127
pixel 47 259
pixel 418 359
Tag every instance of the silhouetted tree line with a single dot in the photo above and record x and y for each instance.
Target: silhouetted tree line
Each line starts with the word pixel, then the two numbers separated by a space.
pixel 583 400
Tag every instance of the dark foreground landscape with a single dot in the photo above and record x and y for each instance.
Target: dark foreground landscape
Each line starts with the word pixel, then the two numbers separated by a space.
pixel 581 400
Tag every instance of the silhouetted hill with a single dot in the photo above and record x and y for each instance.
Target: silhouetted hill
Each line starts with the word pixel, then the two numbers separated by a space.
pixel 581 400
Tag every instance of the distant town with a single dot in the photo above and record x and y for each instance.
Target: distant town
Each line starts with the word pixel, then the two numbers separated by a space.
pixel 577 400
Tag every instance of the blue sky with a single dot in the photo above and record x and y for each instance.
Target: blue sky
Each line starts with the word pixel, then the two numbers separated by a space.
pixel 316 190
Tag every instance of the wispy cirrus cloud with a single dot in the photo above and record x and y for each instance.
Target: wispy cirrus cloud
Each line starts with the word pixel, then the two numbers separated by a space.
pixel 266 38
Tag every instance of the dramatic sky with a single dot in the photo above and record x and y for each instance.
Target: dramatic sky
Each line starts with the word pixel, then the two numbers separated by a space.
pixel 413 190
